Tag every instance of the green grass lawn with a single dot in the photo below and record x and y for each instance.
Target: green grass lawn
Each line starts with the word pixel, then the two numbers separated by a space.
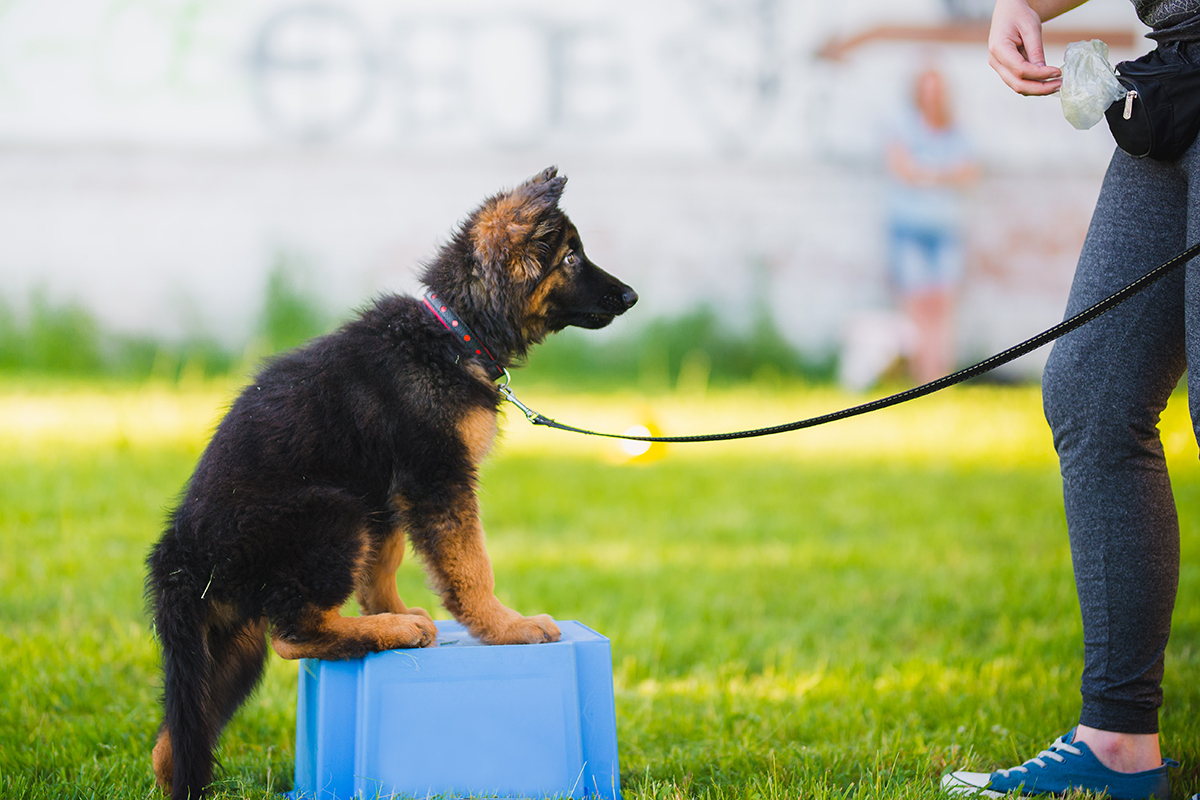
pixel 846 612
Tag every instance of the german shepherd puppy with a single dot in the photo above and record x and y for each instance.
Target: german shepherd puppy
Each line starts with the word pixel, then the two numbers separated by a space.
pixel 342 449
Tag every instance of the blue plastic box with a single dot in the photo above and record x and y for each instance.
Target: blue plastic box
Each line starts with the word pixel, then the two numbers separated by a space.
pixel 461 720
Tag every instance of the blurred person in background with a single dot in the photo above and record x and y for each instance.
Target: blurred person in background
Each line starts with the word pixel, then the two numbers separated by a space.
pixel 1104 387
pixel 930 164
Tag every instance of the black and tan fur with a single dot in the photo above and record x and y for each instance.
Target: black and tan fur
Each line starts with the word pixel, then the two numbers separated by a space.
pixel 339 453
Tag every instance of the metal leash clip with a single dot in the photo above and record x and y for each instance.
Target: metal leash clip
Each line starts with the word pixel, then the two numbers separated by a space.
pixel 530 414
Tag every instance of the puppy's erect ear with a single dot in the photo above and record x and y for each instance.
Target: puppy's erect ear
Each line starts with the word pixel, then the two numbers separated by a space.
pixel 507 227
pixel 549 182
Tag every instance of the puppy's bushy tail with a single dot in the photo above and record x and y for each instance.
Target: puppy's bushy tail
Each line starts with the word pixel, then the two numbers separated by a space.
pixel 188 721
pixel 209 667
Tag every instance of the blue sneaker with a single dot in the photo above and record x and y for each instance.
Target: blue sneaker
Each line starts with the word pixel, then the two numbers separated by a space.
pixel 1064 767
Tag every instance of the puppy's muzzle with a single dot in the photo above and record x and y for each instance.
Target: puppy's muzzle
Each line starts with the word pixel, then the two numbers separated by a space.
pixel 619 300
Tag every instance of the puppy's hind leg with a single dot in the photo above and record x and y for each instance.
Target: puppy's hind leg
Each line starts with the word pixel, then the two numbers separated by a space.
pixel 239 655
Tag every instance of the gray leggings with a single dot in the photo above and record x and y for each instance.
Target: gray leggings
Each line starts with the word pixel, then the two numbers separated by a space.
pixel 1104 388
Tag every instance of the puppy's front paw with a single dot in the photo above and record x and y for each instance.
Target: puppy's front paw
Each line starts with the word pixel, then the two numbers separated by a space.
pixel 420 612
pixel 543 623
pixel 426 632
pixel 407 630
pixel 524 630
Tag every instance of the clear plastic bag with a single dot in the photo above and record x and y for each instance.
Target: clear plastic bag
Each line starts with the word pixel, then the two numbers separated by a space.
pixel 1089 84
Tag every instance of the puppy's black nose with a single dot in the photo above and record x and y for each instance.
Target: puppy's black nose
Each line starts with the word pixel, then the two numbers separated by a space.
pixel 629 298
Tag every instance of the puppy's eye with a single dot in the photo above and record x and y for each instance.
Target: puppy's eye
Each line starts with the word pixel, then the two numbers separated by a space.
pixel 572 259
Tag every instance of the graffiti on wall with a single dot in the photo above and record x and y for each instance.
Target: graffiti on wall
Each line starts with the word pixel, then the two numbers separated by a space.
pixel 706 72
pixel 729 65
pixel 319 72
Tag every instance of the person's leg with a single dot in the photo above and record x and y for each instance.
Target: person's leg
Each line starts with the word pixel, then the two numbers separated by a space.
pixel 925 266
pixel 931 311
pixel 1104 388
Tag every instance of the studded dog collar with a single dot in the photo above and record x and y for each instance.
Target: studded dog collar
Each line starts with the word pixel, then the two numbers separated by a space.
pixel 467 340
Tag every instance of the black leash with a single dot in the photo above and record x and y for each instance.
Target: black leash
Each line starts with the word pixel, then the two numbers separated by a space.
pixel 1027 346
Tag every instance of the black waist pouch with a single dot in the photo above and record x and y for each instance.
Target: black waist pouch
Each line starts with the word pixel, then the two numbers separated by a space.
pixel 1160 115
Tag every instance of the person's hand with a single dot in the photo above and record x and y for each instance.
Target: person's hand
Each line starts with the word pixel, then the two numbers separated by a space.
pixel 1015 45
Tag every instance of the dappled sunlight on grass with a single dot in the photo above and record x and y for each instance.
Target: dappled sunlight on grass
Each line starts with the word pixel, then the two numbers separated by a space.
pixel 999 426
pixel 904 680
pixel 94 415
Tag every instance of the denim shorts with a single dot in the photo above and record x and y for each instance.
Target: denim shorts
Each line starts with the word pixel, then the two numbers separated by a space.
pixel 923 258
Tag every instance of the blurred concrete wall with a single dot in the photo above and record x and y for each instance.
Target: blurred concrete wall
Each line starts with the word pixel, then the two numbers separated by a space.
pixel 157 156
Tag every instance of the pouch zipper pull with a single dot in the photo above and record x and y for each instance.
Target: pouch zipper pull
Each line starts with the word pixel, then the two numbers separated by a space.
pixel 1129 98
